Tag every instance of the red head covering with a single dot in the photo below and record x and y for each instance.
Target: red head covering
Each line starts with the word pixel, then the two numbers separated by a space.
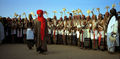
pixel 78 17
pixel 48 19
pixel 70 18
pixel 39 12
pixel 94 17
pixel 83 16
pixel 42 20
pixel 74 17
pixel 65 17
pixel 88 18
pixel 61 18
pixel 55 17
pixel 107 14
pixel 100 16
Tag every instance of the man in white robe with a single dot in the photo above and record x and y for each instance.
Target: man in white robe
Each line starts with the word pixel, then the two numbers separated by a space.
pixel 112 29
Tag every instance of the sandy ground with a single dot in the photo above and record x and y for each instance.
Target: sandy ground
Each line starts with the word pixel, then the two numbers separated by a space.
pixel 20 51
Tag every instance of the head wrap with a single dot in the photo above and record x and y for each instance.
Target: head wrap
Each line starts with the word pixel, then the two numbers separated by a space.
pixel 113 11
pixel 40 12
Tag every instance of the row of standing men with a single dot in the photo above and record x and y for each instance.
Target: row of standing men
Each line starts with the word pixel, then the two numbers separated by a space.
pixel 85 32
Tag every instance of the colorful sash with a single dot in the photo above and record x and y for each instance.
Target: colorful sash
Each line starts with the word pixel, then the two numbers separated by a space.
pixel 94 37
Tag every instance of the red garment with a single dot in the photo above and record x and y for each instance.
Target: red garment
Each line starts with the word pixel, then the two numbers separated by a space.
pixel 94 38
pixel 42 20
pixel 100 39
pixel 54 34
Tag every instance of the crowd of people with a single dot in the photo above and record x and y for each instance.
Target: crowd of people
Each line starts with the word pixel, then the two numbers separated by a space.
pixel 97 32
pixel 86 32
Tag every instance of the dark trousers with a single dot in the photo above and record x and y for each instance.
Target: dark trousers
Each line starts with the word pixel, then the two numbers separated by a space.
pixel 24 38
pixel 102 44
pixel 95 44
pixel 87 43
pixel 60 39
pixel 14 38
pixel 74 40
pixel 69 39
pixel 49 39
pixel 64 40
pixel 30 43
pixel 55 39
pixel 78 42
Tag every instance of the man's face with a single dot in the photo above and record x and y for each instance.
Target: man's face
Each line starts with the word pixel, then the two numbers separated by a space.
pixel 39 15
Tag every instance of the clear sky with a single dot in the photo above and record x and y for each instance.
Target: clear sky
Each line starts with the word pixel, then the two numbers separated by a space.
pixel 9 7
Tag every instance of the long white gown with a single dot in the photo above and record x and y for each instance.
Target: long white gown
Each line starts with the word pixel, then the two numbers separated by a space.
pixel 112 27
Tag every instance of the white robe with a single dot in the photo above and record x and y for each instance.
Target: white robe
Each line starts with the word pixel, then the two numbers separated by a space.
pixel 112 27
